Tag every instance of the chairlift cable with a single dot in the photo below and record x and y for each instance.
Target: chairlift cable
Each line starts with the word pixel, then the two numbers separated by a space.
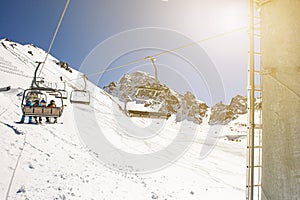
pixel 54 35
pixel 172 50
pixel 117 67
pixel 162 53
pixel 99 72
pixel 199 42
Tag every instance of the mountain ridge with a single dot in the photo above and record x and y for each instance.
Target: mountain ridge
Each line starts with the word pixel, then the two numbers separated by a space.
pixel 184 106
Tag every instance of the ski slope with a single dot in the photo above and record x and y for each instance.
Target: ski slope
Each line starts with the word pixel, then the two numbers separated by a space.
pixel 54 161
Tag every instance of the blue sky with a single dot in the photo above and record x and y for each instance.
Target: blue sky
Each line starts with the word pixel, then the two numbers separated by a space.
pixel 88 23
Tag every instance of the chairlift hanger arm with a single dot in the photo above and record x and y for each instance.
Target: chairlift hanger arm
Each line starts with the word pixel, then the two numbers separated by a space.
pixel 35 73
pixel 152 59
pixel 84 79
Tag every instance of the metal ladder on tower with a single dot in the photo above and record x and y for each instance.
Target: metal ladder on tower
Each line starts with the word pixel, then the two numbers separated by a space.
pixel 254 134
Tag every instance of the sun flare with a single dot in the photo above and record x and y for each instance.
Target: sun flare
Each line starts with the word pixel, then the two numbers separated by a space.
pixel 231 18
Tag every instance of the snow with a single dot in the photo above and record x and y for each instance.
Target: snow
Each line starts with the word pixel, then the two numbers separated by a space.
pixel 53 161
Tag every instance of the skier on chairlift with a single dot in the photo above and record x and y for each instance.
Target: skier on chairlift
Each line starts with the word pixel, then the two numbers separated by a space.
pixel 51 105
pixel 37 104
pixel 43 102
pixel 28 103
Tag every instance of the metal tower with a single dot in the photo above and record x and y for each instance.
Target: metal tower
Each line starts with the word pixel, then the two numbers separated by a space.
pixel 254 135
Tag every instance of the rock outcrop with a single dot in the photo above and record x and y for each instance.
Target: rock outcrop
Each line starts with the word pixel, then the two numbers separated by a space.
pixel 223 114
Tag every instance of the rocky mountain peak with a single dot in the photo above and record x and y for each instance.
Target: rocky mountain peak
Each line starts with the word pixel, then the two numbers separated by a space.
pixel 238 104
pixel 223 114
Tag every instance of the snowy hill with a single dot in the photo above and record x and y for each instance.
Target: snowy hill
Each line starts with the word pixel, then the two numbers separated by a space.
pixel 61 161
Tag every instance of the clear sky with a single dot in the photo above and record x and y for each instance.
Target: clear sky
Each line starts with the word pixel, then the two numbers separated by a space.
pixel 87 23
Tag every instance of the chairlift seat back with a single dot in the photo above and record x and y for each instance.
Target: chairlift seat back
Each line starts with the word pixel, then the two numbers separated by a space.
pixel 52 112
pixel 42 111
pixel 147 114
pixel 80 97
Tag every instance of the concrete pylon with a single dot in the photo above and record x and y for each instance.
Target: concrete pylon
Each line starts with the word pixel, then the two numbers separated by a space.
pixel 280 61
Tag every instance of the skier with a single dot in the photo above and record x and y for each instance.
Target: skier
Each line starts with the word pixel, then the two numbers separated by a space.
pixel 43 102
pixel 28 103
pixel 51 105
pixel 36 104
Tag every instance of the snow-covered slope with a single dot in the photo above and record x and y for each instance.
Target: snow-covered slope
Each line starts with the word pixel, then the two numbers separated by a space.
pixel 50 161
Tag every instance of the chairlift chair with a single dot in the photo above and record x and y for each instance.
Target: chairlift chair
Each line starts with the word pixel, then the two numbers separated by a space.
pixel 163 114
pixel 40 111
pixel 37 92
pixel 80 96
pixel 140 97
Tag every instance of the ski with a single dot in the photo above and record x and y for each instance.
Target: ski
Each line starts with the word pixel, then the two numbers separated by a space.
pixel 4 89
pixel 33 123
pixel 53 123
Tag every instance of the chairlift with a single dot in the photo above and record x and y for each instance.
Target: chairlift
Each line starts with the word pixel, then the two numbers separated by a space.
pixel 151 92
pixel 40 111
pixel 80 96
pixel 37 92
